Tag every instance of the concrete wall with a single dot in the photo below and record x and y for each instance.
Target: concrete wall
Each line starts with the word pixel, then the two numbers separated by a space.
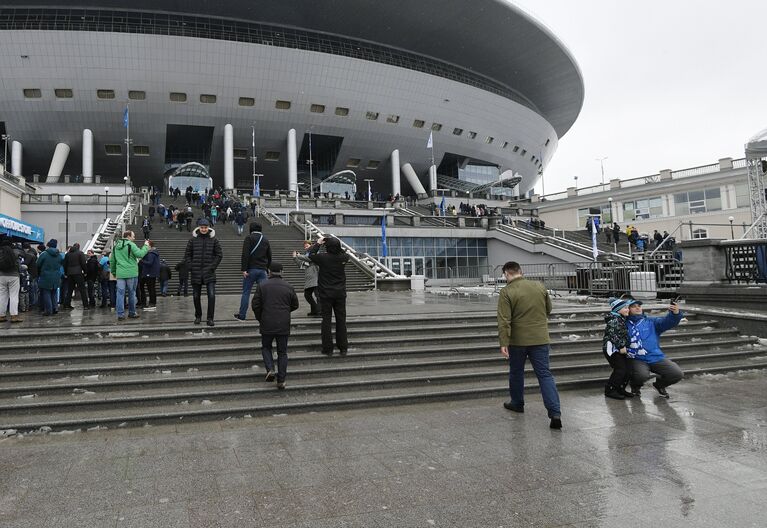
pixel 10 203
pixel 84 220
pixel 499 252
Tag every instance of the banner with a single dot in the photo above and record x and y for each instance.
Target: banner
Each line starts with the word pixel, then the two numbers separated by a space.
pixel 384 249
pixel 14 227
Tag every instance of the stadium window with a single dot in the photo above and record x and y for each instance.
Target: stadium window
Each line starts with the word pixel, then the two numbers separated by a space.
pixel 137 95
pixel 515 149
pixel 240 153
pixel 177 97
pixel 32 93
pixel 246 101
pixel 208 98
pixel 317 109
pixel 113 150
pixel 489 140
pixel 373 164
pixel 547 143
pixel 457 131
pixel 353 163
pixel 505 144
pixel 282 105
pixel 63 93
pixel 141 150
pixel 436 127
pixel 272 155
pixel 105 94
pixel 472 135
pixel 341 111
pixel 392 118
pixel 523 153
pixel 532 158
pixel 419 123
pixel 371 115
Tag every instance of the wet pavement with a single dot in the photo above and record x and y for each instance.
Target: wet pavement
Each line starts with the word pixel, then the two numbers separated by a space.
pixel 697 460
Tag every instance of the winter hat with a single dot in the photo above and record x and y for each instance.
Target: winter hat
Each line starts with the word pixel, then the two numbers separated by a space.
pixel 52 243
pixel 333 245
pixel 203 222
pixel 617 304
pixel 275 268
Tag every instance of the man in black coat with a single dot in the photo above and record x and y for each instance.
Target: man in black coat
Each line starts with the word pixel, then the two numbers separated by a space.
pixel 75 265
pixel 273 301
pixel 331 284
pixel 92 276
pixel 203 255
pixel 256 259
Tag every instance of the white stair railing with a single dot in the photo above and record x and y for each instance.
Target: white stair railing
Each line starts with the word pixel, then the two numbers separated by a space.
pixel 103 238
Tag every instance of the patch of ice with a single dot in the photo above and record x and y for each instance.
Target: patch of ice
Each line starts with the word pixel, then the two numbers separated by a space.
pixel 122 334
pixel 83 392
pixel 762 341
pixel 248 416
pixel 562 324
pixel 99 335
pixel 255 367
pixel 185 402
pixel 26 397
pixel 86 339
pixel 164 500
pixel 572 316
pixel 280 415
pixel 65 432
pixel 696 339
pixel 192 370
pixel 61 379
pixel 167 372
pixel 7 432
pixel 206 402
pixel 45 429
pixel 122 424
pixel 98 428
pixel 91 377
pixel 684 320
pixel 707 328
pixel 573 337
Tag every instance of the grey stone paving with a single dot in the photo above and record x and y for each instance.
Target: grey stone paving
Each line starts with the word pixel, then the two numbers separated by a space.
pixel 698 460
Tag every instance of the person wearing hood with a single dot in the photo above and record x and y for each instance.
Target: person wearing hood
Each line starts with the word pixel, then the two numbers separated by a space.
pixel 331 283
pixel 75 265
pixel 49 276
pixel 123 263
pixel 644 349
pixel 202 256
pixel 149 272
pixel 614 347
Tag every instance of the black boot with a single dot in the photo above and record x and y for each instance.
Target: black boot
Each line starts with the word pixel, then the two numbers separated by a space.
pixel 613 392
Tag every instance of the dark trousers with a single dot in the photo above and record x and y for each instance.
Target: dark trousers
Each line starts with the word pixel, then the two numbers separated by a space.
pixel 282 355
pixel 75 281
pixel 105 297
pixel 183 284
pixel 666 372
pixel 91 292
pixel 330 305
pixel 314 306
pixel 48 300
pixel 197 293
pixel 621 373
pixel 539 359
pixel 113 293
pixel 147 283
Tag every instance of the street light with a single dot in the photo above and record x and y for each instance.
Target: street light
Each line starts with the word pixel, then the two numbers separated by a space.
pixel 370 194
pixel 602 165
pixel 106 202
pixel 732 230
pixel 576 182
pixel 298 192
pixel 125 188
pixel 310 162
pixel 67 199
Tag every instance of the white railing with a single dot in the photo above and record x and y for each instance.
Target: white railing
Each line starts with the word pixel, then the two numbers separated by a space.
pixel 376 269
pixel 110 229
pixel 562 243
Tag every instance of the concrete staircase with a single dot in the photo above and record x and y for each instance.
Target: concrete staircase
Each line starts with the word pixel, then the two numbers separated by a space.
pixel 83 377
pixel 171 244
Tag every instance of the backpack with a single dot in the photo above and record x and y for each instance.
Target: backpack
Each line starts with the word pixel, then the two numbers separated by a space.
pixel 8 260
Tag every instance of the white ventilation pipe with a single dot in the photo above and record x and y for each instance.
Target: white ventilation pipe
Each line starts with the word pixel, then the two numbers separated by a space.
pixel 60 156
pixel 228 157
pixel 87 156
pixel 412 179
pixel 292 162
pixel 16 158
pixel 395 174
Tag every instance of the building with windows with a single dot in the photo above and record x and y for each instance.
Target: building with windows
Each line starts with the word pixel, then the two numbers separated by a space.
pixel 711 201
pixel 356 85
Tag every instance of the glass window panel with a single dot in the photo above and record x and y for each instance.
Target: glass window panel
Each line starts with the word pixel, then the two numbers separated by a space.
pixel 695 195
pixel 712 193
pixel 680 198
pixel 713 204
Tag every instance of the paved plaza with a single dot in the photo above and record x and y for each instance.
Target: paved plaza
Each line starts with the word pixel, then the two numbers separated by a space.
pixel 698 459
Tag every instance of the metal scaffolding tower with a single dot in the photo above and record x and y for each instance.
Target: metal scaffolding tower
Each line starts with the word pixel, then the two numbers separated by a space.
pixel 756 160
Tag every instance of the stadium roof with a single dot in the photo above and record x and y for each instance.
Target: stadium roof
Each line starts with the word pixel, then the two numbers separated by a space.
pixel 492 38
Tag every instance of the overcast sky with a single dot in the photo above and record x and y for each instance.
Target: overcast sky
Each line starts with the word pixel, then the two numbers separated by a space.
pixel 670 84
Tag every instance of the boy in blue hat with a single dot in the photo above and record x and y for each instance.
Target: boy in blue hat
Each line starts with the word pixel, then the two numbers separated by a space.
pixel 614 346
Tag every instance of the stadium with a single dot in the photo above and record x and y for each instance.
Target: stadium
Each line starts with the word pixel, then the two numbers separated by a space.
pixel 312 88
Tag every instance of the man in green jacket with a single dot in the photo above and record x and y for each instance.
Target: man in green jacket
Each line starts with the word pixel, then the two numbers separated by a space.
pixel 523 331
pixel 123 263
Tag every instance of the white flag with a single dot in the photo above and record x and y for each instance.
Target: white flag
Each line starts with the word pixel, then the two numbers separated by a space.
pixel 430 144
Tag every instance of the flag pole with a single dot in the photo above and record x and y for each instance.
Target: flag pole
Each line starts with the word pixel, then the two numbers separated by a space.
pixel 127 144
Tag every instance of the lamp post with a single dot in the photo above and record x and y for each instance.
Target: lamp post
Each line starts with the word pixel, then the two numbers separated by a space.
pixel 732 230
pixel 67 199
pixel 370 193
pixel 106 202
pixel 602 165
pixel 125 188
pixel 576 182
pixel 310 162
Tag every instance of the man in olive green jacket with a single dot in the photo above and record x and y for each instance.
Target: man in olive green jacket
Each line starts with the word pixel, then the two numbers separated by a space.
pixel 523 331
pixel 123 263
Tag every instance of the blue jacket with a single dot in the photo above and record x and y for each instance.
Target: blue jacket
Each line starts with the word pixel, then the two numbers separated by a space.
pixel 49 268
pixel 644 333
pixel 150 264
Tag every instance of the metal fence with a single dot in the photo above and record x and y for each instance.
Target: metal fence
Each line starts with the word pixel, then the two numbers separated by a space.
pixel 746 262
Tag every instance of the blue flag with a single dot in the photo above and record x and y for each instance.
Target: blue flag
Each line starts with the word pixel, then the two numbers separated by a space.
pixel 125 118
pixel 442 206
pixel 384 249
pixel 257 189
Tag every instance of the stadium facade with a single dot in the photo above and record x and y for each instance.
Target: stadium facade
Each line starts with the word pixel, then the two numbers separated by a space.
pixel 364 78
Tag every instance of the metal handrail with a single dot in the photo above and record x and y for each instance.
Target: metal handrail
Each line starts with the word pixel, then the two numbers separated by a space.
pixel 367 262
pixel 757 222
pixel 116 227
pixel 663 242
pixel 558 242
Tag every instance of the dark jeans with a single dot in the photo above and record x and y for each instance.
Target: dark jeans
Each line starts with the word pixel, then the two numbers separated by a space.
pixel 314 306
pixel 539 358
pixel 197 293
pixel 621 374
pixel 105 293
pixel 255 275
pixel 666 372
pixel 183 284
pixel 75 281
pixel 91 292
pixel 48 300
pixel 330 305
pixel 149 283
pixel 282 355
